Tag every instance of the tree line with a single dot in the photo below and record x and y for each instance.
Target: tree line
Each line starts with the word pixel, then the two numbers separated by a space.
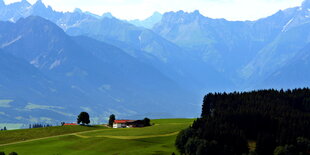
pixel 38 125
pixel 277 121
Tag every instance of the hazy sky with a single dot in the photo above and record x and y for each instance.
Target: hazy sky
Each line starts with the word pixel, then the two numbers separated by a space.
pixel 131 9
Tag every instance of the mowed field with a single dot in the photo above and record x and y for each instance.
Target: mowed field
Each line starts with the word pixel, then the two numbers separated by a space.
pixel 75 140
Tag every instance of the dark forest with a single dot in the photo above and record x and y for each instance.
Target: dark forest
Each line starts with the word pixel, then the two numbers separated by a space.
pixel 276 121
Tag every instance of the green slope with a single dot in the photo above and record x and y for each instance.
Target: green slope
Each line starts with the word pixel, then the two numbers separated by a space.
pixel 157 139
pixel 12 136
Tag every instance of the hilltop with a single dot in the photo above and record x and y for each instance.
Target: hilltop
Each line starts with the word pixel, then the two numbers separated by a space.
pixel 157 139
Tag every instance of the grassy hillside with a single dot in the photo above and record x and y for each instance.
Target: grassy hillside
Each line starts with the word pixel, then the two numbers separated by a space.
pixel 157 139
pixel 11 136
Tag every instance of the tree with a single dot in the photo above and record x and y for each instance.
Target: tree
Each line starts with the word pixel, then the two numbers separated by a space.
pixel 111 120
pixel 146 122
pixel 265 144
pixel 4 128
pixel 191 146
pixel 270 117
pixel 83 118
pixel 280 150
pixel 303 144
pixel 182 139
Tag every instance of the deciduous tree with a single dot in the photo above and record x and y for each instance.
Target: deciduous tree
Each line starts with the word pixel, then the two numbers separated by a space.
pixel 111 120
pixel 83 118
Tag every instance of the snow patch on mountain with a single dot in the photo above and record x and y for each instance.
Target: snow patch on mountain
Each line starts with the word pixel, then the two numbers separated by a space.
pixel 286 25
pixel 55 64
pixel 11 42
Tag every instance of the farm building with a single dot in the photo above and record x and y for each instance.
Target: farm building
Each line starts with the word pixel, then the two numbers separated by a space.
pixel 127 123
pixel 120 123
pixel 66 124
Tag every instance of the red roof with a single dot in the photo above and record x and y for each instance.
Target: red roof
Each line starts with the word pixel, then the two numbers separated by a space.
pixel 70 124
pixel 121 121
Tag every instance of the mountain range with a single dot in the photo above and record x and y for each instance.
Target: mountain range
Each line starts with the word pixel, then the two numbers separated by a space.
pixel 63 75
pixel 56 64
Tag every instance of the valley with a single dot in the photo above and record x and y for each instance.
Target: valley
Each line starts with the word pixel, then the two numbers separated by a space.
pixel 56 64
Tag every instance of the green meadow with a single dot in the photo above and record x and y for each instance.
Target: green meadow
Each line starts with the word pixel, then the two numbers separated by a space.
pixel 11 136
pixel 75 140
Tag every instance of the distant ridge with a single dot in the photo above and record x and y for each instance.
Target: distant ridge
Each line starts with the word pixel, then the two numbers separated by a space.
pixel 78 61
pixel 148 22
pixel 48 76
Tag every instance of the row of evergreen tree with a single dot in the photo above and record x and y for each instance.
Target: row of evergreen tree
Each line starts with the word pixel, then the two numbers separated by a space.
pixel 278 121
pixel 38 125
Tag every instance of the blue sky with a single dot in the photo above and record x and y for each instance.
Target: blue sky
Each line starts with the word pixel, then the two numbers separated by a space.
pixel 132 9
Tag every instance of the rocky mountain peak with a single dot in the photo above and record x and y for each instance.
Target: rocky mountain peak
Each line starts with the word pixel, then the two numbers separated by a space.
pixel 39 4
pixel 306 4
pixel 107 15
pixel 181 16
pixel 78 10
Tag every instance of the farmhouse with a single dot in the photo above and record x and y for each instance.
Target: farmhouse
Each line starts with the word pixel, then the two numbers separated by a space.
pixel 121 123
pixel 128 123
